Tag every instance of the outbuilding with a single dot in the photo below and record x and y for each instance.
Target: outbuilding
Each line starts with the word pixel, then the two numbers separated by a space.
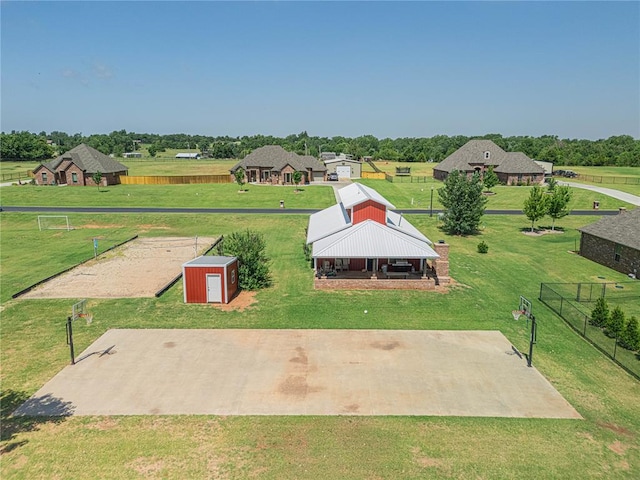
pixel 210 279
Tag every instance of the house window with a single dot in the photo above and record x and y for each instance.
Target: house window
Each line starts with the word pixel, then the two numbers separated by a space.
pixel 44 177
pixel 616 252
pixel 74 177
pixel 287 177
pixel 487 155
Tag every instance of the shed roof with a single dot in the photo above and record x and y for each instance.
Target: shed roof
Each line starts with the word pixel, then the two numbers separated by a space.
pixel 623 228
pixel 210 261
pixel 88 159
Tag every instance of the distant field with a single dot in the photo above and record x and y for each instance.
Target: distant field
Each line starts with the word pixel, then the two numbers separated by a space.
pixel 149 166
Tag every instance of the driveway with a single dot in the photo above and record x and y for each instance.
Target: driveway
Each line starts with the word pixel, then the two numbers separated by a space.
pixel 610 192
pixel 300 372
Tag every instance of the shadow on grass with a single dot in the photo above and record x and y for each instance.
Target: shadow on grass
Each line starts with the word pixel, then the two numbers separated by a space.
pixel 29 415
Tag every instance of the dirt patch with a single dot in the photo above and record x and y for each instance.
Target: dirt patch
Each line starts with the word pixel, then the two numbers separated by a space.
pixel 540 232
pixel 618 447
pixel 616 428
pixel 136 269
pixel 147 467
pixel 386 345
pixel 240 302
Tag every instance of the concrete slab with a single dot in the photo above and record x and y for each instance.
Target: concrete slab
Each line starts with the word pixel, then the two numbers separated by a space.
pixel 300 372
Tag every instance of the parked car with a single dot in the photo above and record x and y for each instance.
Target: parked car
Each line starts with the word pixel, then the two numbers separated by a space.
pixel 332 177
pixel 570 174
pixel 558 173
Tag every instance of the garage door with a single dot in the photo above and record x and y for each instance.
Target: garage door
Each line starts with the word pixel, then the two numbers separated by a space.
pixel 214 289
pixel 318 176
pixel 343 172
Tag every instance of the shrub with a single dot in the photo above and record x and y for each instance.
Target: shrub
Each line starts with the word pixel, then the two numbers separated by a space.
pixel 483 247
pixel 253 263
pixel 630 337
pixel 615 323
pixel 600 313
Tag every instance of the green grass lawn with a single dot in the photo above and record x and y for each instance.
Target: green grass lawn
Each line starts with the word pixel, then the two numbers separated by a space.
pixel 606 444
pixel 402 195
pixel 197 196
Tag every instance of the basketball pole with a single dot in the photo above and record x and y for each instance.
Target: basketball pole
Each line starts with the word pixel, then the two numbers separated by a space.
pixel 70 339
pixel 532 340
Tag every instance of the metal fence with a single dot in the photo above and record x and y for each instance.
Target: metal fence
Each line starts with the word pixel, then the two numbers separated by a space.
pixel 571 302
pixel 611 180
pixel 408 179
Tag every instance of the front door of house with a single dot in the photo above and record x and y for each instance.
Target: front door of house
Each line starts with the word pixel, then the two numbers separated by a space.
pixel 369 264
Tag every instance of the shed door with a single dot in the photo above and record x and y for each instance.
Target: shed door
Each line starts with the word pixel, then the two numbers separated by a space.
pixel 214 288
pixel 343 171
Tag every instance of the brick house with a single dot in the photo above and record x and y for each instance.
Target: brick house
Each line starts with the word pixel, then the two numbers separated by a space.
pixel 77 166
pixel 512 168
pixel 272 164
pixel 360 243
pixel 614 241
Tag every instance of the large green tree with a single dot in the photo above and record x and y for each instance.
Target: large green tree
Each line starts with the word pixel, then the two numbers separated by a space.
pixel 463 202
pixel 253 264
pixel 24 146
pixel 535 206
pixel 558 204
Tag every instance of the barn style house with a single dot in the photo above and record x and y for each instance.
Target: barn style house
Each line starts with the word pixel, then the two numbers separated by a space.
pixel 272 164
pixel 614 241
pixel 476 156
pixel 360 243
pixel 77 167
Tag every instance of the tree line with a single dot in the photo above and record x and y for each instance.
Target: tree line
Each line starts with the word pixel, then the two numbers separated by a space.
pixel 621 150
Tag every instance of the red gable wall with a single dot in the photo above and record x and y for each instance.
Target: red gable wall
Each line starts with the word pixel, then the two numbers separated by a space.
pixel 369 210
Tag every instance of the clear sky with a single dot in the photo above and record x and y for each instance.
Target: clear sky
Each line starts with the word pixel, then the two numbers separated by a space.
pixel 390 69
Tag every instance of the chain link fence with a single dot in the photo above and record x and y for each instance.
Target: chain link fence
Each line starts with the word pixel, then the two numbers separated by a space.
pixel 573 302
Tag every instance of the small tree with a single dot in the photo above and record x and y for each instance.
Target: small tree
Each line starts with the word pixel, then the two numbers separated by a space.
pixel 535 207
pixel 297 176
pixel 249 247
pixel 239 175
pixel 483 247
pixel 551 185
pixel 615 323
pixel 557 204
pixel 97 178
pixel 152 150
pixel 463 202
pixel 630 337
pixel 490 179
pixel 600 313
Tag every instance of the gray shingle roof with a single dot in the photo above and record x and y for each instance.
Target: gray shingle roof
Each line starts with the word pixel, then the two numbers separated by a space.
pixel 276 158
pixel 473 152
pixel 623 228
pixel 89 160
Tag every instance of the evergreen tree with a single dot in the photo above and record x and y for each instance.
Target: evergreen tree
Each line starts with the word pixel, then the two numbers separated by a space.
pixel 490 179
pixel 600 313
pixel 557 204
pixel 615 323
pixel 630 337
pixel 239 176
pixel 535 207
pixel 463 202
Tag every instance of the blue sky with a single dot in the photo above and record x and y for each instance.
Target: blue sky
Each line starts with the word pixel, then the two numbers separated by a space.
pixel 390 69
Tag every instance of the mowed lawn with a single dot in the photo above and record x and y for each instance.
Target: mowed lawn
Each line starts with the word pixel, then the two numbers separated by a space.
pixel 402 195
pixel 606 444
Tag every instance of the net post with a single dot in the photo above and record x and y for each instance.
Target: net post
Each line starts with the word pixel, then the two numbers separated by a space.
pixel 70 339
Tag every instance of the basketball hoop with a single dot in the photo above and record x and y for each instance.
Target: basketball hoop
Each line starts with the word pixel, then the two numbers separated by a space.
pixel 87 316
pixel 516 314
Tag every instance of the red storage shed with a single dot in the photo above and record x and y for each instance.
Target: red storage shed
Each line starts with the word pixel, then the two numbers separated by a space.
pixel 210 279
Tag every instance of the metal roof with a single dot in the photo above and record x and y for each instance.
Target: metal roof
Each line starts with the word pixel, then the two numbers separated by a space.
pixel 326 222
pixel 357 193
pixel 398 222
pixel 209 261
pixel 370 239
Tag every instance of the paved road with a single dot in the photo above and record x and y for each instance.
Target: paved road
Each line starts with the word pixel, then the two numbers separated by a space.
pixel 286 211
pixel 610 192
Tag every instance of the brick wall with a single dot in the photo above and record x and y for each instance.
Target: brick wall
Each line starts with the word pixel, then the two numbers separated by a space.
pixel 441 264
pixel 603 252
